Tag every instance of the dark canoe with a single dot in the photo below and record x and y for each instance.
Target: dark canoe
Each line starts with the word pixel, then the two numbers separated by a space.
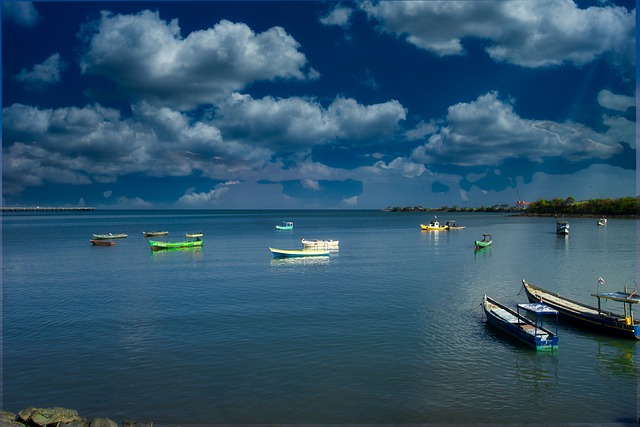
pixel 531 333
pixel 592 318
pixel 102 242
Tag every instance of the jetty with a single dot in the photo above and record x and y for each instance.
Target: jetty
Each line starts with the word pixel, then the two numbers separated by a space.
pixel 45 209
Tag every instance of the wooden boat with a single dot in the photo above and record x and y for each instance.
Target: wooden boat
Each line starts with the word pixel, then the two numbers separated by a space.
pixel 433 225
pixel 602 222
pixel 452 225
pixel 532 333
pixel 297 253
pixel 485 242
pixel 109 236
pixel 593 318
pixel 194 235
pixel 562 227
pixel 98 242
pixel 154 233
pixel 320 244
pixel 158 246
pixel 288 225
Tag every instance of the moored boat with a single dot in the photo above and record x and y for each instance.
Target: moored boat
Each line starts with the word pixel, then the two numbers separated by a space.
pixel 602 222
pixel 109 236
pixel 158 245
pixel 433 225
pixel 98 242
pixel 154 233
pixel 592 318
pixel 562 227
pixel 485 242
pixel 288 225
pixel 320 244
pixel 193 235
pixel 297 253
pixel 452 225
pixel 533 333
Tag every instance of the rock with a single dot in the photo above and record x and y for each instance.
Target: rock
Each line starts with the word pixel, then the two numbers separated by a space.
pixel 45 416
pixel 129 423
pixel 103 422
pixel 8 419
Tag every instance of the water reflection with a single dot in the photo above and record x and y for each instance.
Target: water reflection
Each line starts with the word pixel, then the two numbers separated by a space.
pixel 482 252
pixel 535 373
pixel 616 356
pixel 192 253
pixel 305 261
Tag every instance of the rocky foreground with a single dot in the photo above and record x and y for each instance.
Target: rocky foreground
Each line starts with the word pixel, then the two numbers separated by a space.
pixel 59 417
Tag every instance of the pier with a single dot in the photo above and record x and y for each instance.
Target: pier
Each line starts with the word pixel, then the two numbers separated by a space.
pixel 45 209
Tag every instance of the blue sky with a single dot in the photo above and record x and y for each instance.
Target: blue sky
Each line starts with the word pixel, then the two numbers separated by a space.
pixel 302 104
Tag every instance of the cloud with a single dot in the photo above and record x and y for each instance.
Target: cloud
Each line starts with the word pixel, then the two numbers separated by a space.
pixel 295 123
pixel 526 33
pixel 44 74
pixel 338 16
pixel 207 199
pixel 615 102
pixel 148 57
pixel 21 13
pixel 488 131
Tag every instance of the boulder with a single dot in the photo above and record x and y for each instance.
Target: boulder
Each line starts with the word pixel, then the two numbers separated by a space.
pixel 102 422
pixel 8 419
pixel 46 416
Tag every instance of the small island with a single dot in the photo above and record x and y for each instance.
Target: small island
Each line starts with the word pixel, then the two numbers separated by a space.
pixel 625 207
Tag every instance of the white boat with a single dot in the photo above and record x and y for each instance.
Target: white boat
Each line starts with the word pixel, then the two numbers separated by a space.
pixel 562 227
pixel 296 253
pixel 320 244
pixel 602 221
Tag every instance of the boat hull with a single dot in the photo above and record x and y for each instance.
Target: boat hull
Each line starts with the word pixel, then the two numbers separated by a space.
pixel 109 236
pixel 518 326
pixel 154 233
pixel 97 242
pixel 297 253
pixel 584 315
pixel 159 246
pixel 433 227
pixel 482 244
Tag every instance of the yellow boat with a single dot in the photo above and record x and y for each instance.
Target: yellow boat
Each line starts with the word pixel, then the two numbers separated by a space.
pixel 434 225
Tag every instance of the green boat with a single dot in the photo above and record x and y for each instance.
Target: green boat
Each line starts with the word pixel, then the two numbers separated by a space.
pixel 486 241
pixel 158 246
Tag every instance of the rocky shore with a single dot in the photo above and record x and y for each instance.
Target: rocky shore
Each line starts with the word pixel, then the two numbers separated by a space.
pixel 60 417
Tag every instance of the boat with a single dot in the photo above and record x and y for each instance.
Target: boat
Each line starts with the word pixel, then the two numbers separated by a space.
pixel 158 246
pixel 433 225
pixel 193 235
pixel 602 222
pixel 109 236
pixel 99 242
pixel 320 244
pixel 154 233
pixel 297 253
pixel 562 227
pixel 452 225
pixel 592 318
pixel 531 332
pixel 485 242
pixel 288 225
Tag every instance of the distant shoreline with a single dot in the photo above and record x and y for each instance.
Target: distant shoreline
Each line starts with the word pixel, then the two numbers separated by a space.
pixel 45 209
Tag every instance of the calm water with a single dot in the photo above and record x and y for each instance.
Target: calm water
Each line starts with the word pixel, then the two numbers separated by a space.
pixel 388 330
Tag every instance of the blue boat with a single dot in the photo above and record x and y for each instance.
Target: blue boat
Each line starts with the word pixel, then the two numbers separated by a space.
pixel 517 325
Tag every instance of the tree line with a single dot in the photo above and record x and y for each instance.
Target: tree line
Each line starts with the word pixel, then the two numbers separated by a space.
pixel 569 206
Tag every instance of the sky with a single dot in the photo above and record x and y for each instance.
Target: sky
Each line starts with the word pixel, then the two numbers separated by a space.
pixel 317 105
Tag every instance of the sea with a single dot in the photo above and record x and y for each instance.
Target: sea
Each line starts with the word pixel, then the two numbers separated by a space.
pixel 389 329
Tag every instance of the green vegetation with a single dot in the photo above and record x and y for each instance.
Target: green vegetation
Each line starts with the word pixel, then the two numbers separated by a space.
pixel 569 206
pixel 625 206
